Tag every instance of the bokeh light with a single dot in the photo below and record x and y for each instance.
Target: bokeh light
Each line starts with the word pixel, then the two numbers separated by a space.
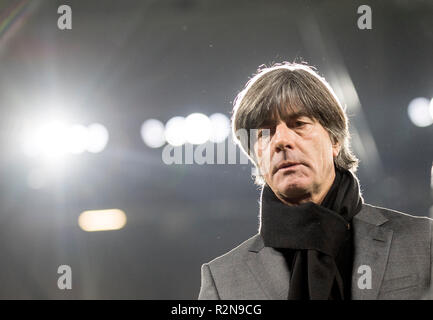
pixel 197 128
pixel 46 140
pixel 102 220
pixel 97 138
pixel 53 139
pixel 220 127
pixel 77 138
pixel 152 133
pixel 419 111
pixel 175 131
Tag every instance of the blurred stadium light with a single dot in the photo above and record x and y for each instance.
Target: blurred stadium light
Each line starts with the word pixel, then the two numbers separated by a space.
pixel 197 128
pixel 53 139
pixel 152 133
pixel 220 125
pixel 97 138
pixel 47 140
pixel 175 131
pixel 102 220
pixel 77 138
pixel 420 112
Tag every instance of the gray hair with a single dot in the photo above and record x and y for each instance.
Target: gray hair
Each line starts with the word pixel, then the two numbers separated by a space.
pixel 284 88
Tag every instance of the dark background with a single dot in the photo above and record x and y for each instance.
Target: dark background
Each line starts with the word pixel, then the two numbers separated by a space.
pixel 127 61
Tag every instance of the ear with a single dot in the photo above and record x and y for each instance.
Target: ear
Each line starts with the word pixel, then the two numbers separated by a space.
pixel 336 149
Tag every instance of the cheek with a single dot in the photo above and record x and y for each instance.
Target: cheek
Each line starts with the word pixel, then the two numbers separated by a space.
pixel 321 152
pixel 326 155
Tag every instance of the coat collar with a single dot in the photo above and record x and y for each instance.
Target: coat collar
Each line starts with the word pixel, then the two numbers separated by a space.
pixel 372 242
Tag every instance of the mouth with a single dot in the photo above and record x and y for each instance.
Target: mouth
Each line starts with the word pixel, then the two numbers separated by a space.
pixel 287 166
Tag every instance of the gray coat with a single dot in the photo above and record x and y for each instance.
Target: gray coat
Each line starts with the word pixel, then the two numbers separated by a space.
pixel 395 246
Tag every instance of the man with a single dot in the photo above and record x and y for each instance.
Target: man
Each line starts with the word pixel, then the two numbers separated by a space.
pixel 317 238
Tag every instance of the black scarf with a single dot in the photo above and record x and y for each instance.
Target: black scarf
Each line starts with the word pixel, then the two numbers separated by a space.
pixel 315 239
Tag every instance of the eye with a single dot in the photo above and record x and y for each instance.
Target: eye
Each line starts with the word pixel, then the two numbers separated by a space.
pixel 299 123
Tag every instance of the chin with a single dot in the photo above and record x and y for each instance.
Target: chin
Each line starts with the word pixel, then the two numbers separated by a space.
pixel 293 188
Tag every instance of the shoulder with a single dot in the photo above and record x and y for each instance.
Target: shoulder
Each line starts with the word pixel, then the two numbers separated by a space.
pixel 396 220
pixel 395 215
pixel 231 274
pixel 238 254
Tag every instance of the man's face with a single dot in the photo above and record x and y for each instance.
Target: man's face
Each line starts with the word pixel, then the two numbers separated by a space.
pixel 295 157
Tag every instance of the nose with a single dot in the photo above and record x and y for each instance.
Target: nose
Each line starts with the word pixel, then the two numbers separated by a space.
pixel 284 137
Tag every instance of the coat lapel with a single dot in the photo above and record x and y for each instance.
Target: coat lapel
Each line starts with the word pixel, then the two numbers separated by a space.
pixel 270 269
pixel 372 243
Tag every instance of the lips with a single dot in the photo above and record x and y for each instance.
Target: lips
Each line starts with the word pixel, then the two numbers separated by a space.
pixel 286 164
